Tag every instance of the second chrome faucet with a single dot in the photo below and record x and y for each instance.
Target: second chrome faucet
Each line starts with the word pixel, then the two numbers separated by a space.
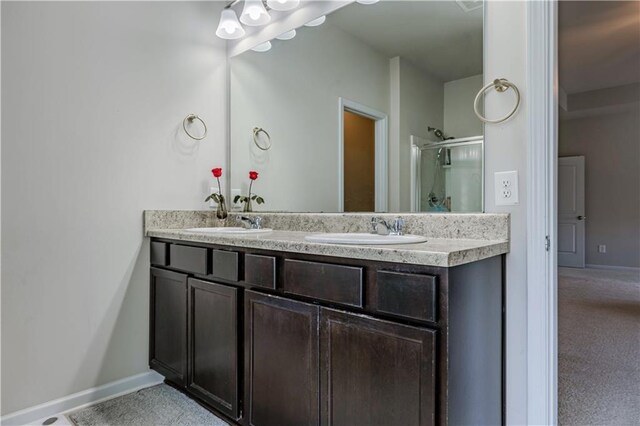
pixel 250 222
pixel 382 227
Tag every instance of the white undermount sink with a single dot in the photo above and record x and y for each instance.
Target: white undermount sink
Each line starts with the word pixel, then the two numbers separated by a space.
pixel 362 238
pixel 230 230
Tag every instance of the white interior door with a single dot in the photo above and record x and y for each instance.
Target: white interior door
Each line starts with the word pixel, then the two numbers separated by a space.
pixel 571 213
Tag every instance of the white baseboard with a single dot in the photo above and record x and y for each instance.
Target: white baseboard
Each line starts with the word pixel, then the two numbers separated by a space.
pixel 615 268
pixel 82 399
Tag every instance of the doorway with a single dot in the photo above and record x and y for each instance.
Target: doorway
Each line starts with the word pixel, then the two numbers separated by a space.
pixel 362 158
pixel 598 230
pixel 359 163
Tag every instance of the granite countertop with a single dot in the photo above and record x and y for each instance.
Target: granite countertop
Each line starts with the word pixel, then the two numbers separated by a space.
pixel 445 252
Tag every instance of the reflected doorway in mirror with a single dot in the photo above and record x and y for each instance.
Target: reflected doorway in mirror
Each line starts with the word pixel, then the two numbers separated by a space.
pixel 362 159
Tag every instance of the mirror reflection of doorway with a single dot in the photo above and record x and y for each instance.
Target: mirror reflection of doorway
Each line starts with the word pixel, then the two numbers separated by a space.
pixel 362 162
pixel 359 163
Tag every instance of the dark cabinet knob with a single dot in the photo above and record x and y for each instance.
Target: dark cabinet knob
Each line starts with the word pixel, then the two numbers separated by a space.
pixel 582 217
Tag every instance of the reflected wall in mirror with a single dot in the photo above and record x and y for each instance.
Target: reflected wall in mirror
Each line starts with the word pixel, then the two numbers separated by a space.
pixel 359 108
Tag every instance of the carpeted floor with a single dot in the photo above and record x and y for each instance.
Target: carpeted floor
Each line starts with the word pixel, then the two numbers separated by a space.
pixel 159 405
pixel 599 347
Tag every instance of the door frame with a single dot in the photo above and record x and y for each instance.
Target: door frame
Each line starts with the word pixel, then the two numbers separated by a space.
pixel 542 212
pixel 381 151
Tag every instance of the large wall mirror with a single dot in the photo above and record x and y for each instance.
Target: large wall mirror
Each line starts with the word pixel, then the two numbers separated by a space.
pixel 370 111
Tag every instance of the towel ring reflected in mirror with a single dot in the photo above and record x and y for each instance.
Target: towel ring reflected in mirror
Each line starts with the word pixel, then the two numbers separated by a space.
pixel 501 85
pixel 191 118
pixel 257 140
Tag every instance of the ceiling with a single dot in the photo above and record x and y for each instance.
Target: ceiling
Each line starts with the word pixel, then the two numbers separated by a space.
pixel 437 36
pixel 598 44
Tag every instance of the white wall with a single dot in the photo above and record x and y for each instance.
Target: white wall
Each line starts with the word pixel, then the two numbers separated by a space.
pixel 421 99
pixel 298 106
pixel 93 97
pixel 459 119
pixel 506 149
pixel 611 146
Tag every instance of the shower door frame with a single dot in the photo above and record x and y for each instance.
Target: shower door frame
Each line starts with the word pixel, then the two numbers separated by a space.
pixel 419 144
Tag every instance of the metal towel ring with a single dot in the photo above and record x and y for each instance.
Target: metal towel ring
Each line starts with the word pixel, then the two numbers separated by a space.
pixel 500 84
pixel 256 133
pixel 191 118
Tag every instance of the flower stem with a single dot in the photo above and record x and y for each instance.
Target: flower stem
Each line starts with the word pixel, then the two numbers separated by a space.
pixel 219 188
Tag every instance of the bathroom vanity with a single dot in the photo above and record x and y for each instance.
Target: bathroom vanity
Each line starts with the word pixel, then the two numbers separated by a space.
pixel 273 330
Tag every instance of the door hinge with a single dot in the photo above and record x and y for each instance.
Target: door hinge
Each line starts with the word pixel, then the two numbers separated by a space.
pixel 547 244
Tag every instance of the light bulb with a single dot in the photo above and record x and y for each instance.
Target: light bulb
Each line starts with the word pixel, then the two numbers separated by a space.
pixel 367 1
pixel 264 47
pixel 254 13
pixel 287 36
pixel 229 28
pixel 316 22
pixel 282 5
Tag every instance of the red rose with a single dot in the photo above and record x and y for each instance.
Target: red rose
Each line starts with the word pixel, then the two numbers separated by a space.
pixel 217 172
pixel 253 175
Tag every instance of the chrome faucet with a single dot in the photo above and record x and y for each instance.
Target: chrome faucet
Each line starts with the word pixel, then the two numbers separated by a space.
pixel 249 222
pixel 382 227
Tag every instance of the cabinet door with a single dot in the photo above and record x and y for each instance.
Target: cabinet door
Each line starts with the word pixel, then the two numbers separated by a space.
pixel 281 361
pixel 168 325
pixel 213 345
pixel 375 372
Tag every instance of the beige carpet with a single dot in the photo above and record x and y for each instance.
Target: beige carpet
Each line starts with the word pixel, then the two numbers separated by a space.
pixel 599 347
pixel 159 405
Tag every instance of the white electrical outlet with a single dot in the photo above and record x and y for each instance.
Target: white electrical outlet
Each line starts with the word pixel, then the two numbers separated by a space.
pixel 506 188
pixel 235 206
pixel 602 248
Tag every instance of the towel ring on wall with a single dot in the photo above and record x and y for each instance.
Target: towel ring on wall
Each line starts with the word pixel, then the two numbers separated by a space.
pixel 256 138
pixel 191 118
pixel 500 84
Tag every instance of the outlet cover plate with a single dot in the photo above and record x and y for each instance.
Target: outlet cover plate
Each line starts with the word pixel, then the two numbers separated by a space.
pixel 506 188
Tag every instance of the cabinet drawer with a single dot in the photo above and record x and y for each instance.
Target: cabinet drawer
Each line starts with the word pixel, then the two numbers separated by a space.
pixel 190 259
pixel 324 281
pixel 224 265
pixel 260 270
pixel 407 295
pixel 159 253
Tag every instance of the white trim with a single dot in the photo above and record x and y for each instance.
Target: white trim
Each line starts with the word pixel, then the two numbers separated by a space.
pixel 416 174
pixel 542 112
pixel 381 136
pixel 82 399
pixel 611 267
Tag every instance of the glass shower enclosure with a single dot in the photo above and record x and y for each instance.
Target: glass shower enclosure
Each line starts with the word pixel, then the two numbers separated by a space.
pixel 447 176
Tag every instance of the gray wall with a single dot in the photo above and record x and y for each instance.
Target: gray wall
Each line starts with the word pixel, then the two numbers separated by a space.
pixel 611 146
pixel 506 149
pixel 93 97
pixel 459 119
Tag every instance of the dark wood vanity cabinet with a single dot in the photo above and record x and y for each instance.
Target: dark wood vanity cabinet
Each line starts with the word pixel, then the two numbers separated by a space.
pixel 213 345
pixel 281 361
pixel 375 372
pixel 273 338
pixel 168 325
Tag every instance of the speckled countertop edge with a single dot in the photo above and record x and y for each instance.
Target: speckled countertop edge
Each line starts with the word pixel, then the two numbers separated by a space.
pixel 444 252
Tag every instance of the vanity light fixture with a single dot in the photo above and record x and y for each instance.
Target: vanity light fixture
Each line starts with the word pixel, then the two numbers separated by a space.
pixel 283 5
pixel 367 1
pixel 229 28
pixel 264 47
pixel 287 36
pixel 316 22
pixel 254 13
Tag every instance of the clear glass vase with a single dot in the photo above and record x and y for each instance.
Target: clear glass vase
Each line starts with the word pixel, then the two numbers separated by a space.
pixel 221 211
pixel 247 206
